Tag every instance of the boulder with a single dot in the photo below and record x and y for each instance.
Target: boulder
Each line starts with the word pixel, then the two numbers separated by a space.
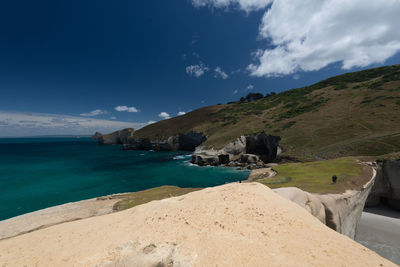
pixel 249 158
pixel 202 159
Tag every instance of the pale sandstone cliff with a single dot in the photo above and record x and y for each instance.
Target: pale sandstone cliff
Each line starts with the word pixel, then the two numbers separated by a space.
pixel 231 225
pixel 341 212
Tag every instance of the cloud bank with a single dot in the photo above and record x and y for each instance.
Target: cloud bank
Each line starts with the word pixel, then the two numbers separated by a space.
pixel 308 35
pixel 18 124
pixel 246 5
pixel 95 112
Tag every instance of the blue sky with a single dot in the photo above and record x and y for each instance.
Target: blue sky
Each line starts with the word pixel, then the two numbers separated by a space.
pixel 108 64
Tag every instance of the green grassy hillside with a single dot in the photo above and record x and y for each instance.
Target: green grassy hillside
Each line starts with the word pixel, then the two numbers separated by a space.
pixel 348 115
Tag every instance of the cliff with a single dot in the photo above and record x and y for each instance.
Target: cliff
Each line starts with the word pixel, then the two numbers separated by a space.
pixel 252 150
pixel 387 184
pixel 338 205
pixel 114 138
pixel 340 212
pixel 186 142
pixel 231 225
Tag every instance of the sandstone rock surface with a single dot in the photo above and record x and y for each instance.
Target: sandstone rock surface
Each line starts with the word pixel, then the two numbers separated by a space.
pixel 236 224
pixel 341 212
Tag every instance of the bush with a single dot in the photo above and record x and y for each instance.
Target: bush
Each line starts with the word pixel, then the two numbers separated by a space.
pixel 253 97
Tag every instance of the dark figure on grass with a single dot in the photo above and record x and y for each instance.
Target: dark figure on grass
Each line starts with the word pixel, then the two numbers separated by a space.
pixel 334 179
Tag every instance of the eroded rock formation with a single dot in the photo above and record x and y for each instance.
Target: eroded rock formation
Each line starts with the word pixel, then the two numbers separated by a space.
pixel 125 137
pixel 186 142
pixel 253 150
pixel 387 184
pixel 231 225
pixel 341 212
pixel 114 138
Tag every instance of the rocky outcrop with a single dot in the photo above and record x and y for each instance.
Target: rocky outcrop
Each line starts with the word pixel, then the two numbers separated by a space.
pixel 114 138
pixel 238 224
pixel 341 212
pixel 186 142
pixel 387 184
pixel 253 150
pixel 125 137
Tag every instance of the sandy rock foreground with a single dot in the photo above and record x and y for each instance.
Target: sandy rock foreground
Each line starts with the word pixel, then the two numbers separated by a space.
pixel 231 225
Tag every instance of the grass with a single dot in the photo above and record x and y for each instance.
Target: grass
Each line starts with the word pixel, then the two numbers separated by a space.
pixel 337 117
pixel 157 193
pixel 316 177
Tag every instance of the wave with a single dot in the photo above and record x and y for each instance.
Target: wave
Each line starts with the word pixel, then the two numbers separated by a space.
pixel 182 157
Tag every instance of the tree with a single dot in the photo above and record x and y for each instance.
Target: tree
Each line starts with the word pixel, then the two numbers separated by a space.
pixel 253 97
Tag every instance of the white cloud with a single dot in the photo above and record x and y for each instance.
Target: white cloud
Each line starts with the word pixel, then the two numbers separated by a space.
pixel 126 108
pixel 220 73
pixel 31 124
pixel 249 87
pixel 311 34
pixel 235 92
pixel 180 113
pixel 151 122
pixel 95 112
pixel 307 35
pixel 113 118
pixel 246 5
pixel 196 70
pixel 164 115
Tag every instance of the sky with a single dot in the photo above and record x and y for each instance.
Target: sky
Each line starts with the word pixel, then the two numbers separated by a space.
pixel 76 67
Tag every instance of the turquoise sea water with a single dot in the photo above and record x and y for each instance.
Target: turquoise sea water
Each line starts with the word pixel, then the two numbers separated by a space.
pixel 36 173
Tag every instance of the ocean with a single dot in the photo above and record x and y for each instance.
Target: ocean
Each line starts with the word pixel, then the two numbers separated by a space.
pixel 37 173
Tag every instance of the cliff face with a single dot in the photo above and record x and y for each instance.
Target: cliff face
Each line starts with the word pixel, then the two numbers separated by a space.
pixel 387 184
pixel 231 225
pixel 186 142
pixel 115 138
pixel 341 212
pixel 253 150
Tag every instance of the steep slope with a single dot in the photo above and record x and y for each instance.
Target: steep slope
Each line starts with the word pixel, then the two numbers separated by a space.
pixel 348 115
